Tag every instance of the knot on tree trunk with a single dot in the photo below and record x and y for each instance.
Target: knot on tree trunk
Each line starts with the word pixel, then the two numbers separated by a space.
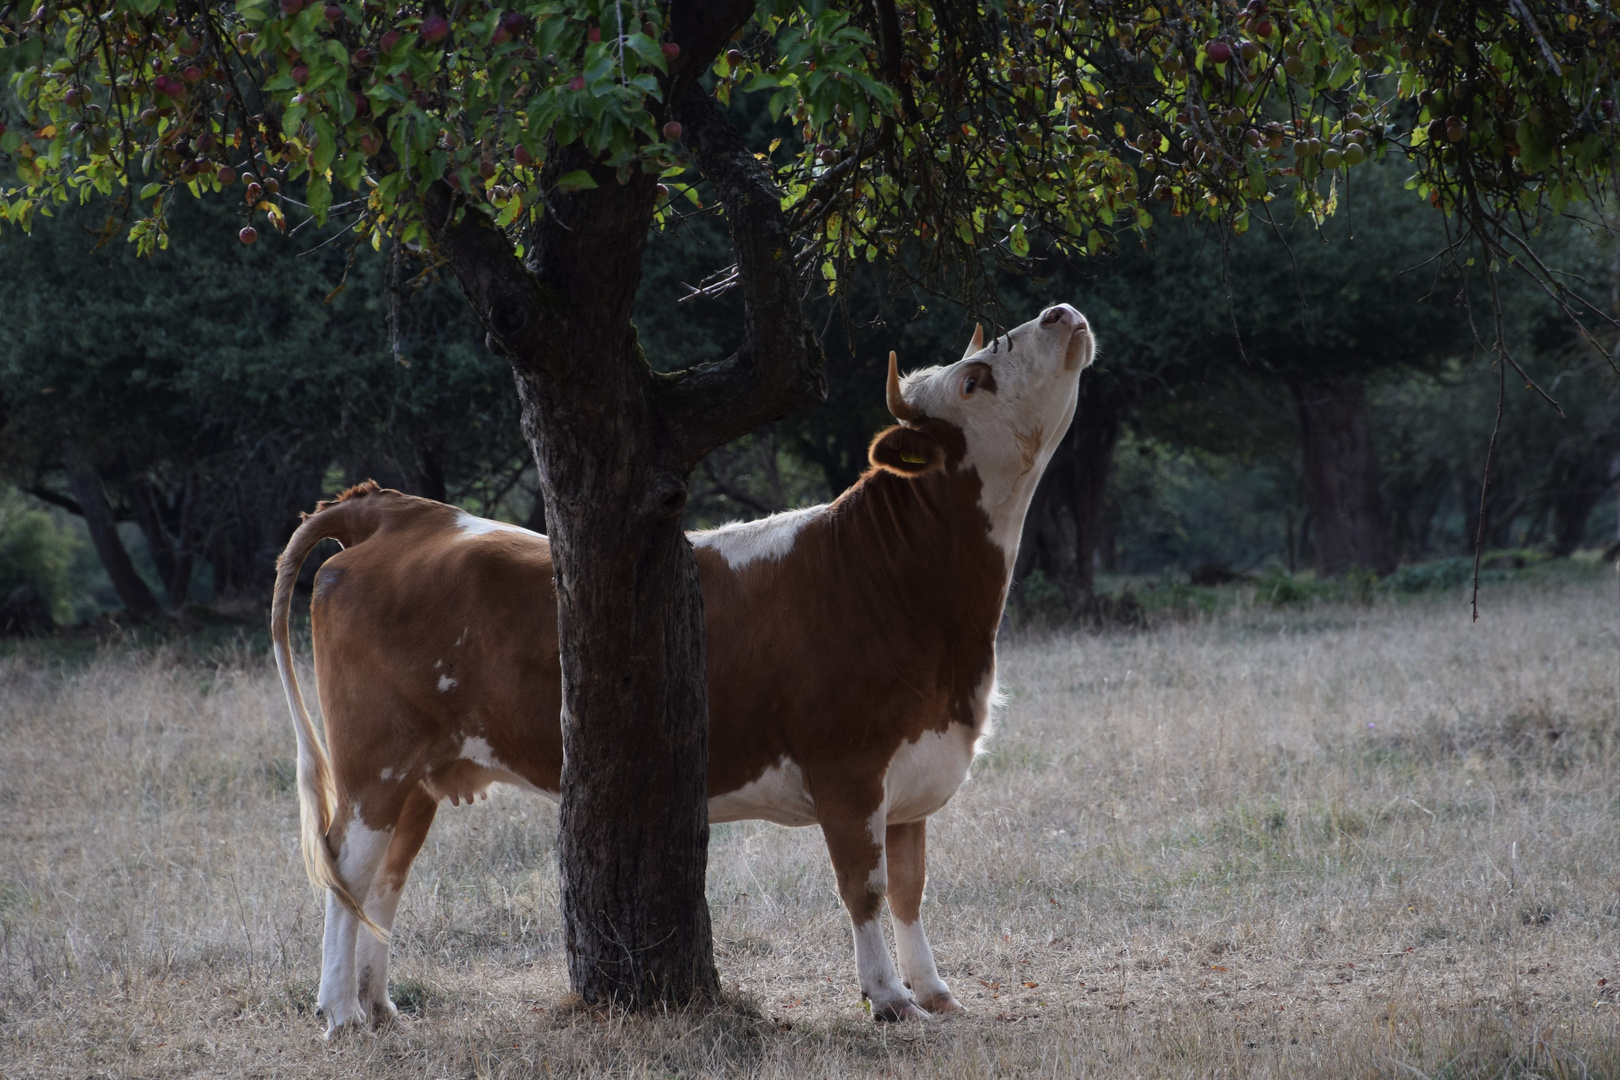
pixel 508 318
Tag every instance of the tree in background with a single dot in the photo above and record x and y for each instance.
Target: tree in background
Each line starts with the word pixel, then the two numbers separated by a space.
pixel 204 393
pixel 1321 309
pixel 524 147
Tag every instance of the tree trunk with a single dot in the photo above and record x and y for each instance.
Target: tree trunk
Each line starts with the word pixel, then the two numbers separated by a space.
pixel 615 446
pixel 86 487
pixel 1341 477
pixel 1580 478
pixel 168 535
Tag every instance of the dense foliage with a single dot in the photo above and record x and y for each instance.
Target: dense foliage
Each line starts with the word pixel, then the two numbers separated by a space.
pixel 948 129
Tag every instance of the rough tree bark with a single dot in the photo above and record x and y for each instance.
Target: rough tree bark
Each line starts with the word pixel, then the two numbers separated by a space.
pixel 86 487
pixel 1341 476
pixel 615 445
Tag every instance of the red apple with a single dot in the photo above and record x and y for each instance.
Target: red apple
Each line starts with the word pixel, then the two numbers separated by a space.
pixel 192 74
pixel 672 130
pixel 594 34
pixel 252 194
pixel 365 57
pixel 225 175
pixel 577 83
pixel 734 57
pixel 389 40
pixel 290 8
pixel 248 234
pixel 435 28
pixel 1219 52
pixel 333 13
pixel 671 49
pixel 522 156
pixel 300 74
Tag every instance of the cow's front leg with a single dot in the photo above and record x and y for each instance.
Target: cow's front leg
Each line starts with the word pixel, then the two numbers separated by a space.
pixel 906 853
pixel 855 841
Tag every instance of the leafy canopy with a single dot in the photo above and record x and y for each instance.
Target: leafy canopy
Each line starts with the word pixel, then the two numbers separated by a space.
pixel 933 134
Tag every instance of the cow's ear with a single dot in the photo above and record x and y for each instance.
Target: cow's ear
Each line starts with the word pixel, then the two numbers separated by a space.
pixel 907 451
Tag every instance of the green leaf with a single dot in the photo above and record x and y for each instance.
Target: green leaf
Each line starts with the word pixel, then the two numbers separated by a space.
pixel 578 180
pixel 1018 241
pixel 150 190
pixel 319 194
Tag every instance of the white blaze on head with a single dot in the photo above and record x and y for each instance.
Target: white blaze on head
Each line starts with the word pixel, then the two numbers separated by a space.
pixel 1013 400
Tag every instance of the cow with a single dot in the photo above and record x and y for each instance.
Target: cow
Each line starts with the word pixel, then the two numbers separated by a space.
pixel 851 662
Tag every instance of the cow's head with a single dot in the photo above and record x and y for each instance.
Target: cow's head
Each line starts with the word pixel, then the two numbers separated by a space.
pixel 1000 410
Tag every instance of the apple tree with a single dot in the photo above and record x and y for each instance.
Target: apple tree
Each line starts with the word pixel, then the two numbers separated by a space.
pixel 530 145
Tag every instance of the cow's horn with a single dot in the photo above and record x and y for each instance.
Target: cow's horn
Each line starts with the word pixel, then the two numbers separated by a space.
pixel 978 340
pixel 898 405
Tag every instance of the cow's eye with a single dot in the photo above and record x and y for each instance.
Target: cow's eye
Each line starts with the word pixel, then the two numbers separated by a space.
pixel 969 384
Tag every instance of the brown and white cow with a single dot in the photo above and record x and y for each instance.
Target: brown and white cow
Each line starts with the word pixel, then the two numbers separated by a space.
pixel 851 661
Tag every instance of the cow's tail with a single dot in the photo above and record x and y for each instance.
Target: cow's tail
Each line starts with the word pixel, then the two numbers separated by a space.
pixel 349 519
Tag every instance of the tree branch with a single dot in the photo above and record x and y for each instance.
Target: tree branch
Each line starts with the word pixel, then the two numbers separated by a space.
pixel 779 365
pixel 509 301
pixel 46 495
pixel 701 29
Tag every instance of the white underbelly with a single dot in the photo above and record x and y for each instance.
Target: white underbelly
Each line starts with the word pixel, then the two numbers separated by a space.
pixel 777 794
pixel 923 775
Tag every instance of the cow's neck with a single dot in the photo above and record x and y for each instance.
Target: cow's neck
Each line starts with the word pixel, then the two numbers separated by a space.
pixel 936 544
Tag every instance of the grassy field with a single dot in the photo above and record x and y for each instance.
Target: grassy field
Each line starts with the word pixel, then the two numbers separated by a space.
pixel 1329 840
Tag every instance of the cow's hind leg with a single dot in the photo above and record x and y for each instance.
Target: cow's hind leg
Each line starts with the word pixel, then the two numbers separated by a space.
pixel 856 843
pixel 371 952
pixel 906 851
pixel 360 848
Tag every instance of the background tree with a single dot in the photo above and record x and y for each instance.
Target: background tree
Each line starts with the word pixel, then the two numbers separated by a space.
pixel 524 147
pixel 206 392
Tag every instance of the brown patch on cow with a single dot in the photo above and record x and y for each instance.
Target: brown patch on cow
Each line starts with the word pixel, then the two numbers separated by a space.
pixel 984 377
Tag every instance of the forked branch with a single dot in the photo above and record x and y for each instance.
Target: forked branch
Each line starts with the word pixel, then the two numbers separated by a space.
pixel 778 368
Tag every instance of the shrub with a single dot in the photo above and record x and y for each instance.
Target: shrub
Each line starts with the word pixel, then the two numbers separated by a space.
pixel 35 551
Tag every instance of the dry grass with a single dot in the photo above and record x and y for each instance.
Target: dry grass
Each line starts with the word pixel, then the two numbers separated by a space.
pixel 1340 842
